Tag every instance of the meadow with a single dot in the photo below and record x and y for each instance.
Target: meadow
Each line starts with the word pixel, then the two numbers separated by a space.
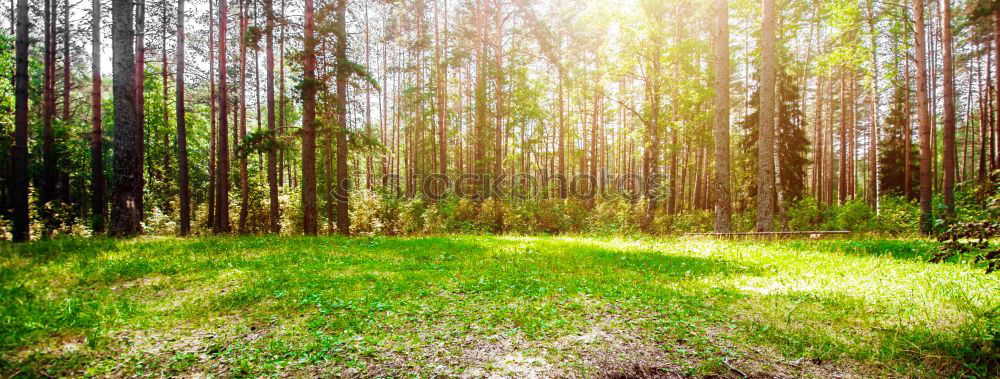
pixel 477 306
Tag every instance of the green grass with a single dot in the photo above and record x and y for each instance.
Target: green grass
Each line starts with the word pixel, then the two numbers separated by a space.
pixel 477 306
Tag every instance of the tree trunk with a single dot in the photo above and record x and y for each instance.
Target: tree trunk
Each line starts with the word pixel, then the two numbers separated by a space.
pixel 66 61
pixel 272 167
pixel 222 148
pixel 182 154
pixel 875 102
pixel 818 143
pixel 212 114
pixel 49 167
pixel 765 143
pixel 948 139
pixel 281 91
pixel 844 116
pixel 984 126
pixel 343 180
pixel 498 144
pixel 309 125
pixel 244 180
pixel 443 90
pixel 139 88
pixel 908 132
pixel 723 207
pixel 924 118
pixel 98 200
pixel 126 214
pixel 21 223
pixel 995 117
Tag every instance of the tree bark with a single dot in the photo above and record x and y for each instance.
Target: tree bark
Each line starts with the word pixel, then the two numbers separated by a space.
pixel 244 180
pixel 66 62
pixel 844 117
pixel 343 179
pixel 126 214
pixel 212 114
pixel 97 181
pixel 875 102
pixel 222 225
pixel 21 223
pixel 908 131
pixel 723 206
pixel 924 118
pixel 309 125
pixel 182 153
pixel 272 173
pixel 948 138
pixel 49 167
pixel 765 144
pixel 139 88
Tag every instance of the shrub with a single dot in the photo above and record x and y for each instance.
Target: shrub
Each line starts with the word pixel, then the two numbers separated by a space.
pixel 411 216
pixel 613 215
pixel 435 221
pixel 549 217
pixel 576 212
pixel 694 221
pixel 521 217
pixel 365 208
pixel 897 216
pixel 804 214
pixel 855 216
pixel 492 216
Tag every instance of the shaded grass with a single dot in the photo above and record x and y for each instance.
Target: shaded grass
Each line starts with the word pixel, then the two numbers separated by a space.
pixel 469 305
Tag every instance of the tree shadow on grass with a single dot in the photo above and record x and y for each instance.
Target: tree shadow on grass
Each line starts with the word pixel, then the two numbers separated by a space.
pixel 914 250
pixel 827 327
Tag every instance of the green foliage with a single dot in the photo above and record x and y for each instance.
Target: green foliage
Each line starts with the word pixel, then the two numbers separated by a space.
pixel 804 214
pixel 975 239
pixel 789 132
pixel 898 216
pixel 892 154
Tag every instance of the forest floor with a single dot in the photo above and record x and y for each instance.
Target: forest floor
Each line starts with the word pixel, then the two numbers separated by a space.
pixel 493 306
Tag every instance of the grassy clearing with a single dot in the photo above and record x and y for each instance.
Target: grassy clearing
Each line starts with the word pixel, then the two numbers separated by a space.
pixel 476 306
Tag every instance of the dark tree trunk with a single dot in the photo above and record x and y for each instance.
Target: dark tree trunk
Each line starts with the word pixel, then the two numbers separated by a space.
pixel 20 157
pixel 844 116
pixel 948 138
pixel 272 173
pixel 924 118
pixel 222 148
pixel 182 154
pixel 343 180
pixel 97 181
pixel 139 88
pixel 244 180
pixel 126 214
pixel 309 224
pixel 66 62
pixel 212 117
pixel 49 168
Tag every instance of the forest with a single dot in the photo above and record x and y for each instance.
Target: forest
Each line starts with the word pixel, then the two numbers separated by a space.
pixel 512 188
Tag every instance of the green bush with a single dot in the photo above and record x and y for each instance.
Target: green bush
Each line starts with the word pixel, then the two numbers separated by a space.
pixel 694 221
pixel 492 216
pixel 855 216
pixel 613 215
pixel 897 216
pixel 366 210
pixel 804 214
pixel 549 217
pixel 411 216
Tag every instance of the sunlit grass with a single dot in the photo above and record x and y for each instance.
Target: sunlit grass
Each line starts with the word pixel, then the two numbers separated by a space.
pixel 470 305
